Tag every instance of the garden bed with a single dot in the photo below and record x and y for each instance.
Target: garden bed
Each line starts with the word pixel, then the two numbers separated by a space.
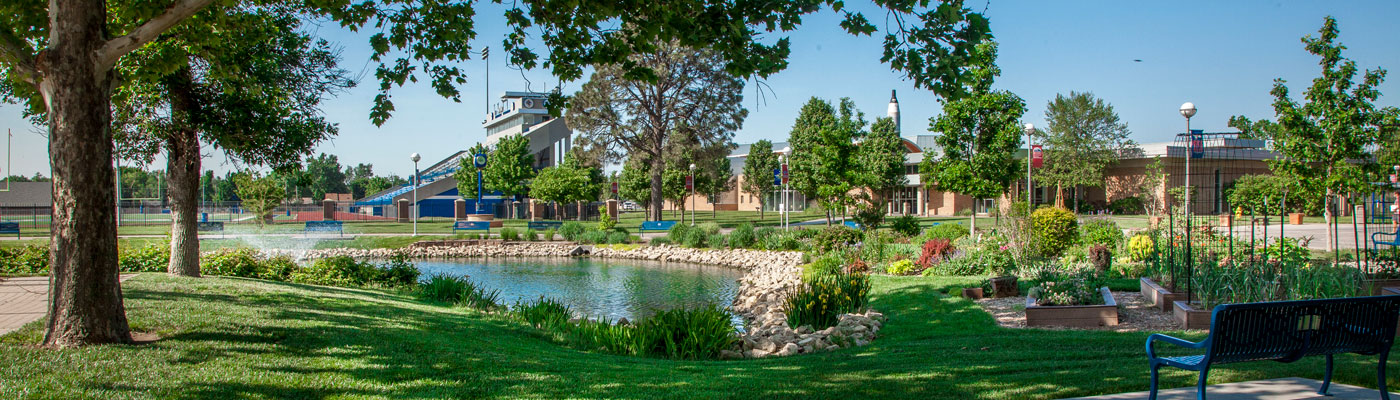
pixel 1159 296
pixel 1375 287
pixel 1090 316
pixel 1191 318
pixel 1135 314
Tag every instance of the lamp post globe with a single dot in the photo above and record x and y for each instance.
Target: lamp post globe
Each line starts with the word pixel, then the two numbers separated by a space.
pixel 1188 110
pixel 1029 128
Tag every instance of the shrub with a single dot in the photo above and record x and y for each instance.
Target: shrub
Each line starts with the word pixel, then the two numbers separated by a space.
pixel 946 230
pixel 549 234
pixel 544 313
pixel 716 241
pixel 148 258
pixel 902 267
pixel 761 234
pixel 443 288
pixel 976 261
pixel 278 268
pixel 606 223
pixel 29 259
pixel 678 232
pixel 593 237
pixel 246 263
pixel 1053 230
pixel 935 251
pixel 510 234
pixel 1288 251
pixel 835 237
pixel 1101 258
pixel 616 237
pixel 1127 205
pixel 660 241
pixel 335 271
pixel 780 241
pixel 1140 248
pixel 1076 290
pixel 869 216
pixel 398 272
pixel 906 226
pixel 710 228
pixel 827 264
pixel 742 237
pixel 1100 231
pixel 694 238
pixel 689 334
pixel 532 235
pixel 820 299
pixel 572 230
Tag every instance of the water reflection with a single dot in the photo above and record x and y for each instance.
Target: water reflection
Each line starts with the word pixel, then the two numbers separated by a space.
pixel 598 288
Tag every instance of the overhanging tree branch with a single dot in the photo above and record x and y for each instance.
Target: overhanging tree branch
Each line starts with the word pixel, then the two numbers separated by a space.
pixel 20 59
pixel 115 48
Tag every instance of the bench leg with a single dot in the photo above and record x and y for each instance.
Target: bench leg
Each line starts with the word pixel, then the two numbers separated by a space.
pixel 1326 378
pixel 1201 384
pixel 1380 374
pixel 1152 388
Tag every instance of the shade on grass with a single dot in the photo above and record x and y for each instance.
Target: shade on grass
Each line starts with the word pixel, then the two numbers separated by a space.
pixel 225 337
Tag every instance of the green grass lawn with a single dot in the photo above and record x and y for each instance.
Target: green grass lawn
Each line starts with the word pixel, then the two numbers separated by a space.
pixel 225 337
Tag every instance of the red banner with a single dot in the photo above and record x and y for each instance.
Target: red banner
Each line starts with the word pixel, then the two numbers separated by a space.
pixel 689 182
pixel 785 174
pixel 1037 156
pixel 614 187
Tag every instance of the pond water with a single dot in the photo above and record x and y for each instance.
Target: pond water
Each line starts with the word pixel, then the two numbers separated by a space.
pixel 598 288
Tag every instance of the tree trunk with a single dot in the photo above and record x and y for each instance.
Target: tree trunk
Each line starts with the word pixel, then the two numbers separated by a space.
pixel 1327 218
pixel 85 298
pixel 656 202
pixel 183 165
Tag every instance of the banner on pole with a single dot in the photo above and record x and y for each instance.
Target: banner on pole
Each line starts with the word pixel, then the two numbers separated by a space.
pixel 689 182
pixel 614 187
pixel 1037 156
pixel 1198 145
pixel 785 173
pixel 777 176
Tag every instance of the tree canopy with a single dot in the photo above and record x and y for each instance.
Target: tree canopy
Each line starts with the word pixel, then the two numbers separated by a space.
pixel 823 164
pixel 758 172
pixel 1083 138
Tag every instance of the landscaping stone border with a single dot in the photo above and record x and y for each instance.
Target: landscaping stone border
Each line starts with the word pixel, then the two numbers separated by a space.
pixel 769 277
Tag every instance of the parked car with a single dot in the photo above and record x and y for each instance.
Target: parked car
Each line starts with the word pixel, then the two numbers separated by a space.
pixel 630 206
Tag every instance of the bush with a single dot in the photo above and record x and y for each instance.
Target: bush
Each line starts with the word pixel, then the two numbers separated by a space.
pixel 278 268
pixel 335 271
pixel 694 238
pixel 572 230
pixel 976 261
pixel 1076 290
pixel 544 313
pixel 660 241
pixel 148 258
pixel 716 241
pixel 742 237
pixel 1100 231
pixel 398 272
pixel 1053 230
pixel 678 232
pixel 902 267
pixel 606 223
pixel 246 263
pixel 616 237
pixel 946 230
pixel 29 259
pixel 1126 205
pixel 835 237
pixel 710 228
pixel 1101 258
pixel 532 235
pixel 906 226
pixel 549 234
pixel 869 216
pixel 510 234
pixel 761 234
pixel 780 241
pixel 935 251
pixel 460 291
pixel 827 264
pixel 1140 248
pixel 593 237
pixel 820 299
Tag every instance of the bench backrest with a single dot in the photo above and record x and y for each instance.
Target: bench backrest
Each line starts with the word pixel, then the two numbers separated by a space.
pixel 1289 330
pixel 9 227
pixel 657 225
pixel 852 224
pixel 542 225
pixel 471 225
pixel 322 225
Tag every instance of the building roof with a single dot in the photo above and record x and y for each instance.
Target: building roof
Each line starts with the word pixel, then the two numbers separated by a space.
pixel 27 194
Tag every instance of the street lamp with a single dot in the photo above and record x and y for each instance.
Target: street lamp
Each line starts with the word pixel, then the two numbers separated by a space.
pixel 479 160
pixel 1030 193
pixel 1188 110
pixel 691 182
pixel 415 157
pixel 782 189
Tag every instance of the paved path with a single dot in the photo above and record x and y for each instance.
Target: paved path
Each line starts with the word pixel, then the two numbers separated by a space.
pixel 24 300
pixel 1272 389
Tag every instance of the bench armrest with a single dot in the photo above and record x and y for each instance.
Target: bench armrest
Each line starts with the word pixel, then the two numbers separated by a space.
pixel 1157 337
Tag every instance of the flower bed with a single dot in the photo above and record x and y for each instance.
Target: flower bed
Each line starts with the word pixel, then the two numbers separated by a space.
pixel 1075 316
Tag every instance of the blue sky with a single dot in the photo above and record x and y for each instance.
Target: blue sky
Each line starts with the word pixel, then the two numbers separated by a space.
pixel 1223 56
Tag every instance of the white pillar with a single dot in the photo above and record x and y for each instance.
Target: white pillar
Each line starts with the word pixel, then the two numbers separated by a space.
pixel 920 207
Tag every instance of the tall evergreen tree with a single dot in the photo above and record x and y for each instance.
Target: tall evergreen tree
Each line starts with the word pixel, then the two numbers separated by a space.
pixel 758 172
pixel 881 160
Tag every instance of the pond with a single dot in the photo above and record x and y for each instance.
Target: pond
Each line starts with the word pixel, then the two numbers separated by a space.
pixel 598 288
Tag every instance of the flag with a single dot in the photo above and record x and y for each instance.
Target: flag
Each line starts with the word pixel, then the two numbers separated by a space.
pixel 1037 156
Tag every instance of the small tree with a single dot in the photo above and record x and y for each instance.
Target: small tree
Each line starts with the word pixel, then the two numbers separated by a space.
pixel 881 160
pixel 260 195
pixel 822 164
pixel 1084 137
pixel 511 166
pixel 758 172
pixel 1322 140
pixel 466 173
pixel 567 182
pixel 1153 195
pixel 713 178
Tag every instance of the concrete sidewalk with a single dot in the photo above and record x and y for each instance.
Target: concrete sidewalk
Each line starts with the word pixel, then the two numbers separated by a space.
pixel 24 300
pixel 1272 389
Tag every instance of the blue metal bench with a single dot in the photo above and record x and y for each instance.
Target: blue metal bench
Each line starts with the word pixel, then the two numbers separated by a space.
pixel 472 226
pixel 656 226
pixel 324 226
pixel 852 224
pixel 1287 331
pixel 10 227
pixel 542 225
pixel 1394 238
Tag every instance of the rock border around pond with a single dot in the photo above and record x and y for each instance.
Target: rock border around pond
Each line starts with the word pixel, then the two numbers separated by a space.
pixel 769 277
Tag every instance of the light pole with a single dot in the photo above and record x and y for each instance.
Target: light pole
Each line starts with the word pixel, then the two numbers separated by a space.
pixel 415 157
pixel 691 182
pixel 782 189
pixel 479 160
pixel 1030 193
pixel 1188 110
